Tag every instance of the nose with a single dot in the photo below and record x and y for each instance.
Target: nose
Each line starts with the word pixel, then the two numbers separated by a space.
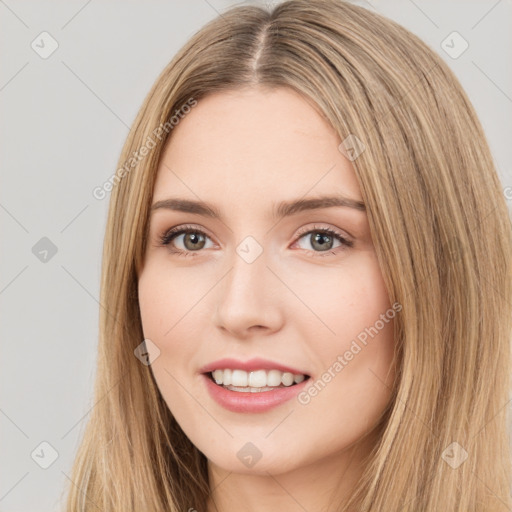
pixel 249 300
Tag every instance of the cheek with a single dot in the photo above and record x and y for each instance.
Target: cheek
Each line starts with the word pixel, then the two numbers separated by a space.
pixel 356 347
pixel 337 304
pixel 154 303
pixel 174 310
pixel 167 314
pixel 169 298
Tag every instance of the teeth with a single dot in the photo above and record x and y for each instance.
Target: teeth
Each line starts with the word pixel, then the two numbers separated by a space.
pixel 226 378
pixel 275 377
pixel 256 379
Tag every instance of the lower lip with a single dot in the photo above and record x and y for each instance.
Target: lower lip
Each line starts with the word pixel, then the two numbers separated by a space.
pixel 239 401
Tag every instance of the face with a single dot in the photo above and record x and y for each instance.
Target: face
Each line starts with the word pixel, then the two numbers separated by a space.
pixel 250 279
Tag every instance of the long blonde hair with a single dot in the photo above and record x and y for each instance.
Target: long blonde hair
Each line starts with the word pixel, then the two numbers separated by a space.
pixel 442 234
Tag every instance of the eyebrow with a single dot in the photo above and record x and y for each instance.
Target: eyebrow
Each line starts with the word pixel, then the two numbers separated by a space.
pixel 279 210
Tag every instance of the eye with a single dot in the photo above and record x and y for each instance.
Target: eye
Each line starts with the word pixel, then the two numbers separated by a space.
pixel 190 238
pixel 322 239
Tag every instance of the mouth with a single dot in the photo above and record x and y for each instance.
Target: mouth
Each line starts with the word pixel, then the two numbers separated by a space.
pixel 255 381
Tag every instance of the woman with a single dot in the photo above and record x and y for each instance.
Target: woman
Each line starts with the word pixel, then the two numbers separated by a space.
pixel 306 281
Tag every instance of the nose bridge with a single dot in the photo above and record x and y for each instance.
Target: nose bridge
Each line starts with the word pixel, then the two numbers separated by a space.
pixel 246 297
pixel 245 283
pixel 248 265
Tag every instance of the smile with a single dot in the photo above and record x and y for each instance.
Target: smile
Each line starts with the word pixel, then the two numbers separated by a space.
pixel 248 399
pixel 254 381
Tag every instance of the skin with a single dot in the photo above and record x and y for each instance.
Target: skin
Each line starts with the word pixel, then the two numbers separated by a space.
pixel 296 304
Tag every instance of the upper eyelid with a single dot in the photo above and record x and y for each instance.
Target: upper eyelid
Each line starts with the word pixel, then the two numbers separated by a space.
pixel 178 230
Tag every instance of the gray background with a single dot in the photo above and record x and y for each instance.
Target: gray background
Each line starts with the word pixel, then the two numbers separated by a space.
pixel 63 121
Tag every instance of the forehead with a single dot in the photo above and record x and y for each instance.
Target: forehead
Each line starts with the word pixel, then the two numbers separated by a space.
pixel 252 145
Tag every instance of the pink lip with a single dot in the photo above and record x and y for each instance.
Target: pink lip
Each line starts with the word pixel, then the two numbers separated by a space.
pixel 250 365
pixel 251 402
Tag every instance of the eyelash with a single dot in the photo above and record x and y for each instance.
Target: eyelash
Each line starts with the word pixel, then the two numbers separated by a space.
pixel 166 238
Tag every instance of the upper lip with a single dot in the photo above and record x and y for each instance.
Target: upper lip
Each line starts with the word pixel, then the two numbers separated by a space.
pixel 250 365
